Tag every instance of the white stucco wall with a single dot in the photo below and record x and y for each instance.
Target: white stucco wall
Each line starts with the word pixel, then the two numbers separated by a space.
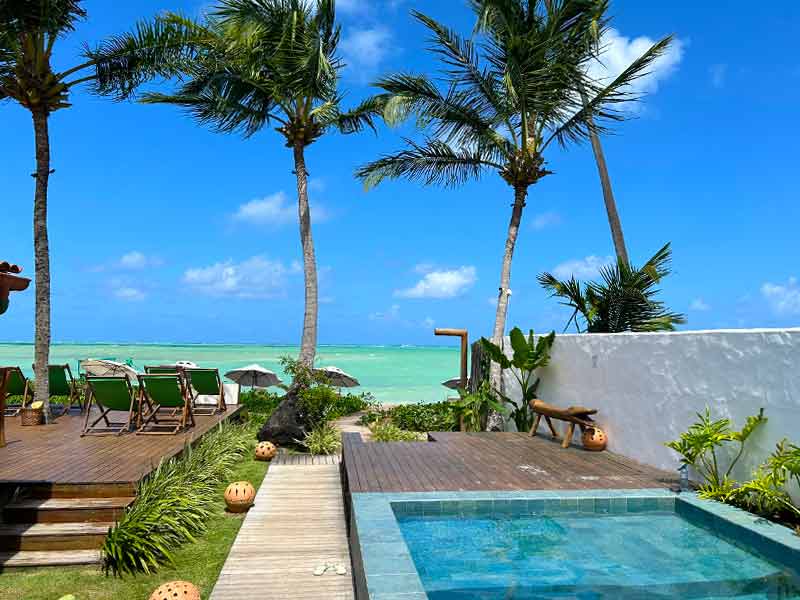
pixel 648 387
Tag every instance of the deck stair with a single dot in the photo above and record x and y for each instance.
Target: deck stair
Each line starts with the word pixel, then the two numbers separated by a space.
pixel 60 525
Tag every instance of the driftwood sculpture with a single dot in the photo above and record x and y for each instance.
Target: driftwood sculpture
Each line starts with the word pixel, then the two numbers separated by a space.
pixel 574 415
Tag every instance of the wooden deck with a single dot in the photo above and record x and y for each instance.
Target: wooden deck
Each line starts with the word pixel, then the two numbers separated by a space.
pixel 56 454
pixel 296 524
pixel 489 461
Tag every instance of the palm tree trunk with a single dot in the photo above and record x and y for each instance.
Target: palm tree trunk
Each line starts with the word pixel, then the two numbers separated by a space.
pixel 41 251
pixel 520 194
pixel 608 192
pixel 308 345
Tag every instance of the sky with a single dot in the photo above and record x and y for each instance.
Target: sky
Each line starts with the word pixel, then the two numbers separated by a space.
pixel 164 231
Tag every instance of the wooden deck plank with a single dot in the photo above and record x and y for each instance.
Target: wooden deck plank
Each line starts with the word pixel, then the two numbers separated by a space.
pixel 57 454
pixel 490 461
pixel 296 524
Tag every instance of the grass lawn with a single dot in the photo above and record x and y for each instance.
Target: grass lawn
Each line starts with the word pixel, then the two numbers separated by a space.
pixel 199 563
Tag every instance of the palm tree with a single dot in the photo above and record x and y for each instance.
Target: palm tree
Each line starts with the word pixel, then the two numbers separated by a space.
pixel 510 95
pixel 252 64
pixel 29 30
pixel 623 301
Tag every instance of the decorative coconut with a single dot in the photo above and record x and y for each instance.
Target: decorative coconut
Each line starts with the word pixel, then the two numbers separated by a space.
pixel 176 590
pixel 594 439
pixel 266 451
pixel 239 496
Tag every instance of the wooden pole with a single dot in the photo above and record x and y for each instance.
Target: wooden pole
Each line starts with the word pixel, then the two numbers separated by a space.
pixel 464 335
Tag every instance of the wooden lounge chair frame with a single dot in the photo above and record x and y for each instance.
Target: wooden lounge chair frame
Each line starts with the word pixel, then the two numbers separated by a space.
pixel 71 390
pixel 111 428
pixel 197 384
pixel 181 416
pixel 574 415
pixel 14 409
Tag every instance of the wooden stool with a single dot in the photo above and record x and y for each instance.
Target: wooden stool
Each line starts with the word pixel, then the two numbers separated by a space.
pixel 574 415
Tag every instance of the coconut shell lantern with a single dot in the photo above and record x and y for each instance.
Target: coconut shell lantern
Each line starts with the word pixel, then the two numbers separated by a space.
pixel 239 496
pixel 176 590
pixel 594 439
pixel 266 451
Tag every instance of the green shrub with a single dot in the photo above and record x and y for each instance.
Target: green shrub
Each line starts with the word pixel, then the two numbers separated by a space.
pixel 260 403
pixel 324 439
pixel 386 431
pixel 321 403
pixel 474 408
pixel 425 417
pixel 174 503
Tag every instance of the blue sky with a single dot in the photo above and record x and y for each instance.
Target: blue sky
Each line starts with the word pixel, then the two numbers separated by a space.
pixel 161 230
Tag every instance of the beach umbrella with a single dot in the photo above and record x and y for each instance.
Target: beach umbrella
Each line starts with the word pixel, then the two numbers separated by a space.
pixel 453 383
pixel 338 378
pixel 254 376
pixel 100 367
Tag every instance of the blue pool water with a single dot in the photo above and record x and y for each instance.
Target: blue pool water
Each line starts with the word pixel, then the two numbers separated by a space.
pixel 654 556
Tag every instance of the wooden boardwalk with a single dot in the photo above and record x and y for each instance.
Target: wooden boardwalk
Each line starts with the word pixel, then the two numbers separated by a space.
pixel 296 524
pixel 489 461
pixel 57 454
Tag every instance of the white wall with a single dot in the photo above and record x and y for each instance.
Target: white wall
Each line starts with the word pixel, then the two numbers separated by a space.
pixel 649 386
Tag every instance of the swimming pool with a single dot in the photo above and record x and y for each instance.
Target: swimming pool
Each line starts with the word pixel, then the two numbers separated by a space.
pixel 585 545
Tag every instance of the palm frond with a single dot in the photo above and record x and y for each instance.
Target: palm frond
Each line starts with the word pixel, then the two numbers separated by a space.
pixel 435 162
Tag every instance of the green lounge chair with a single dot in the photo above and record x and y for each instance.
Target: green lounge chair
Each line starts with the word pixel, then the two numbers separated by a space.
pixel 205 382
pixel 16 387
pixel 165 392
pixel 63 384
pixel 161 370
pixel 109 393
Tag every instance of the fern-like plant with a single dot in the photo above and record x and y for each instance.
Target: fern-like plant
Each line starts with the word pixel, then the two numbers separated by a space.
pixel 386 431
pixel 174 503
pixel 323 439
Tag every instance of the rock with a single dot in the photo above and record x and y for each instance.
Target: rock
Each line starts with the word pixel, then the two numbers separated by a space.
pixel 285 426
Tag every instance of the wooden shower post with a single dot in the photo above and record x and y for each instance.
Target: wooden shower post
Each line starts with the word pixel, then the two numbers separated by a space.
pixel 462 333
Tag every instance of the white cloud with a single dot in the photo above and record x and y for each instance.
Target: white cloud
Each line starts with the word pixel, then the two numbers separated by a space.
pixel 428 322
pixel 256 277
pixel 274 211
pixel 719 74
pixel 545 220
pixel 365 49
pixel 582 268
pixel 699 305
pixel 390 315
pixel 784 299
pixel 130 294
pixel 618 52
pixel 441 284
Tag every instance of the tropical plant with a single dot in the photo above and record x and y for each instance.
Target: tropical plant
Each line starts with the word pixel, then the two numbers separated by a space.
pixel 421 417
pixel 386 431
pixel 323 439
pixel 322 403
pixel 509 96
pixel 472 409
pixel 260 404
pixel 29 31
pixel 252 64
pixel 623 301
pixel 765 494
pixel 699 445
pixel 174 503
pixel 529 354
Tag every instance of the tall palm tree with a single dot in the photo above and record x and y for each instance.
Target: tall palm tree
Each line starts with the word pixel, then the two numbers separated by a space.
pixel 252 64
pixel 29 30
pixel 511 93
pixel 624 299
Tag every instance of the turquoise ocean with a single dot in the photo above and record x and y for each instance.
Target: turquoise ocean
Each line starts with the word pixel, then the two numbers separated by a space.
pixel 394 374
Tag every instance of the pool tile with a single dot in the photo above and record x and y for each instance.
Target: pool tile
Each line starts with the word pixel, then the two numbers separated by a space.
pixel 586 505
pixel 619 505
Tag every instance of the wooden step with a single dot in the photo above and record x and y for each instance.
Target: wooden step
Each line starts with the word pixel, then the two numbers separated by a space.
pixel 53 536
pixel 32 558
pixel 79 490
pixel 66 510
